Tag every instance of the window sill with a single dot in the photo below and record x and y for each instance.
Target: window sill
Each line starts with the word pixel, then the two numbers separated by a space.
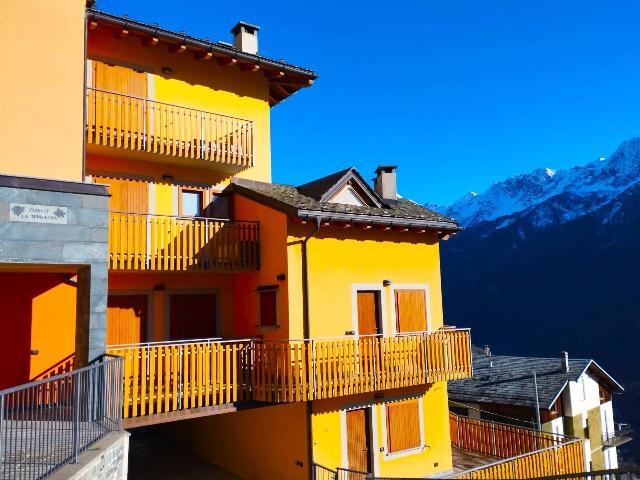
pixel 404 453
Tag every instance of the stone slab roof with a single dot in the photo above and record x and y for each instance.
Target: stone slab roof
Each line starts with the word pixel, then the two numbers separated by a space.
pixel 508 380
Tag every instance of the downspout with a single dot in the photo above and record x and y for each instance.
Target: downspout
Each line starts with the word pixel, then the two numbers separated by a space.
pixel 84 92
pixel 305 281
pixel 306 333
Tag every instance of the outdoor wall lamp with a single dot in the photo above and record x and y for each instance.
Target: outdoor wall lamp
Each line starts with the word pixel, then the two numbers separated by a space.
pixel 386 283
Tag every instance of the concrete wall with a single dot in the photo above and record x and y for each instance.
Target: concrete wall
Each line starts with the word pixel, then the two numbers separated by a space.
pixel 42 58
pixel 106 460
pixel 78 247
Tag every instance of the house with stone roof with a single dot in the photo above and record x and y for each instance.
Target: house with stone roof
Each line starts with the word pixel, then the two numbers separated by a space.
pixel 574 397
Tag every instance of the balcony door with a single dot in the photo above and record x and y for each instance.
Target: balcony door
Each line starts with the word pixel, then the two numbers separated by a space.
pixel 411 310
pixel 114 78
pixel 127 195
pixel 358 440
pixel 369 318
pixel 127 319
pixel 192 315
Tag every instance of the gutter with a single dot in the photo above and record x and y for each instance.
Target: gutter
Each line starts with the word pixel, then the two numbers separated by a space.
pixel 209 46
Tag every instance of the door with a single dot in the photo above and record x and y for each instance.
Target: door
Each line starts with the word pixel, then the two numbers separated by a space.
pixel 126 319
pixel 192 316
pixel 358 440
pixel 369 312
pixel 127 195
pixel 411 310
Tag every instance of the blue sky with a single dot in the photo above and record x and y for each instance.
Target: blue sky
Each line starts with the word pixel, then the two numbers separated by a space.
pixel 458 93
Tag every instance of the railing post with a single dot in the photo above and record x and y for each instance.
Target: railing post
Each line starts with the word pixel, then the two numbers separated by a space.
pixel 76 418
pixel 313 370
pixel 180 360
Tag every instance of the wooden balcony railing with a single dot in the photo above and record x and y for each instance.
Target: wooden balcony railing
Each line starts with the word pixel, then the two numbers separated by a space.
pixel 140 124
pixel 522 452
pixel 172 376
pixel 161 242
pixel 315 369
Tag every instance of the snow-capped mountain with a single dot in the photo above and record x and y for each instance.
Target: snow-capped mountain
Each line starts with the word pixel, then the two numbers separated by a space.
pixel 588 187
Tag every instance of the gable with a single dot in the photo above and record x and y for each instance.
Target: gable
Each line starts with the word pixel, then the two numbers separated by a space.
pixel 348 195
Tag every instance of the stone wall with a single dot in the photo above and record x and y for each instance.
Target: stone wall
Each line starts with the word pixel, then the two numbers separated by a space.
pixel 79 243
pixel 106 460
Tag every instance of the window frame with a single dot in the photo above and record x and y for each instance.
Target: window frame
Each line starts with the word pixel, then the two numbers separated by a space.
pixel 385 433
pixel 268 289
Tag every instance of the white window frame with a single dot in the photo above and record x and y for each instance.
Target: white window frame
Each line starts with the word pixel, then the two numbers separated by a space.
pixel 411 451
pixel 360 287
pixel 410 286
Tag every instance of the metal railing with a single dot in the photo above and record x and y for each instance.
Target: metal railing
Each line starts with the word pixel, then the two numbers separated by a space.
pixel 140 124
pixel 48 423
pixel 143 241
pixel 618 437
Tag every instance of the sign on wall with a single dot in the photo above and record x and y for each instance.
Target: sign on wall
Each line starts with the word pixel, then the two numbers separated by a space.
pixel 25 212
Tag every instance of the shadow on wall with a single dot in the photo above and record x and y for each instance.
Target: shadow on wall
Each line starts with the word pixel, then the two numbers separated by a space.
pixel 38 323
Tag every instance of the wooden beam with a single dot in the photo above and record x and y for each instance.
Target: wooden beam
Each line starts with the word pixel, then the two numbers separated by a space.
pixel 282 91
pixel 227 61
pixel 150 41
pixel 273 74
pixel 177 48
pixel 249 67
pixel 120 33
pixel 202 55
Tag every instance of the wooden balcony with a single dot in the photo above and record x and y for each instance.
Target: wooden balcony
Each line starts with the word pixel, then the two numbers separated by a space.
pixel 511 452
pixel 161 242
pixel 143 125
pixel 171 380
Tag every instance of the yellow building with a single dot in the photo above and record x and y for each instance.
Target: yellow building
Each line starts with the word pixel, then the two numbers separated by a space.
pixel 274 328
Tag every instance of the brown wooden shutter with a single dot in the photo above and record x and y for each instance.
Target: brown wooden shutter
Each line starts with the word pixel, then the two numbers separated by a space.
pixel 119 79
pixel 368 312
pixel 411 310
pixel 268 308
pixel 126 319
pixel 358 440
pixel 127 195
pixel 403 425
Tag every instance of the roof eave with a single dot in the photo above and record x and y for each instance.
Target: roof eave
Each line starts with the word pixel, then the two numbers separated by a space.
pixel 376 220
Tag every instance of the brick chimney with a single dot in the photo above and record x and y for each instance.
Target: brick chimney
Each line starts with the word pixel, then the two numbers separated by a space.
pixel 385 183
pixel 245 37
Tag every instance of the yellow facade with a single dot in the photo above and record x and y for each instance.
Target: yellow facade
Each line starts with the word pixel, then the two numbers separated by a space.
pixel 41 123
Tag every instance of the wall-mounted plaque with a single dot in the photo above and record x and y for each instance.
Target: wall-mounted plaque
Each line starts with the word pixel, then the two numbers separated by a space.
pixel 25 212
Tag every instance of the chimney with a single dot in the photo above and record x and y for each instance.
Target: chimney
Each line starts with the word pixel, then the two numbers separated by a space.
pixel 245 37
pixel 385 182
pixel 487 350
pixel 564 359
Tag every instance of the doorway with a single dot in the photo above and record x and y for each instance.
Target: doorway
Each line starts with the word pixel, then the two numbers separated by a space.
pixel 359 439
pixel 127 319
pixel 192 315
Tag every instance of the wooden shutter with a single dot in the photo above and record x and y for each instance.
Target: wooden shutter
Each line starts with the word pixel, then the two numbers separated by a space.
pixel 411 310
pixel 368 312
pixel 127 195
pixel 119 79
pixel 358 440
pixel 268 308
pixel 192 316
pixel 126 319
pixel 403 425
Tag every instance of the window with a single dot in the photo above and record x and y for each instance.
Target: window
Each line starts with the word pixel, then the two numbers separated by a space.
pixel 191 203
pixel 268 306
pixel 403 425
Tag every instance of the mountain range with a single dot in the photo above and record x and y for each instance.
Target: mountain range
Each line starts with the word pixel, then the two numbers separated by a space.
pixel 550 261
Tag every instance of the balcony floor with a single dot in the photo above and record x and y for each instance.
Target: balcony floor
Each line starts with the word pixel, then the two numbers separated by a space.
pixel 464 460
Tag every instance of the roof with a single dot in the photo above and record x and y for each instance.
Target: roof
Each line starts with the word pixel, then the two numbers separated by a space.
pixel 508 380
pixel 324 188
pixel 308 201
pixel 284 78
